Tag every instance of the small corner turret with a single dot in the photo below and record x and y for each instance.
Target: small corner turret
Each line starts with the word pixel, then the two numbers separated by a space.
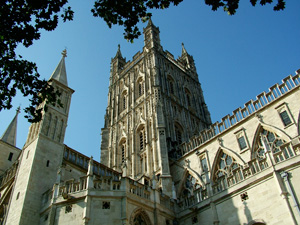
pixel 117 63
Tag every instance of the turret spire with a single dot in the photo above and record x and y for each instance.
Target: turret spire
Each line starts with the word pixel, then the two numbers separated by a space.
pixel 60 73
pixel 10 135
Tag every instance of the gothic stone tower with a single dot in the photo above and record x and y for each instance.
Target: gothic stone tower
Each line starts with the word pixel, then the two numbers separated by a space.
pixel 41 155
pixel 155 103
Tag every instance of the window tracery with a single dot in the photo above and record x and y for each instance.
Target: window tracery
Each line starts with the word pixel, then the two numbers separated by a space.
pixel 227 173
pixel 190 185
pixel 269 141
pixel 139 217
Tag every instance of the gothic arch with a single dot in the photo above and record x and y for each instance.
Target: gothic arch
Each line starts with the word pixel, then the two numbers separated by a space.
pixel 194 174
pixel 227 169
pixel 229 152
pixel 269 128
pixel 139 217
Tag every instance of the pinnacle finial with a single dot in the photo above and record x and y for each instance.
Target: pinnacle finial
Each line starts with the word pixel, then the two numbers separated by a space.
pixel 64 53
pixel 183 49
pixel 18 110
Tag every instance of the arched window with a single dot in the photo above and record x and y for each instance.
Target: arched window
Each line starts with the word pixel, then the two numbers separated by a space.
pixel 188 97
pixel 139 217
pixel 190 185
pixel 171 85
pixel 121 158
pixel 227 173
pixel 269 141
pixel 123 152
pixel 192 192
pixel 54 128
pixel 123 101
pixel 140 87
pixel 178 134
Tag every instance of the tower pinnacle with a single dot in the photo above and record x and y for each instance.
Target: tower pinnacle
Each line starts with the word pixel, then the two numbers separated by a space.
pixel 183 50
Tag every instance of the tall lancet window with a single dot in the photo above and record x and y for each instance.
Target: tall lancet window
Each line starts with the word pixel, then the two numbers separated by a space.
pixel 178 133
pixel 188 97
pixel 122 151
pixel 142 139
pixel 171 85
pixel 124 101
pixel 140 87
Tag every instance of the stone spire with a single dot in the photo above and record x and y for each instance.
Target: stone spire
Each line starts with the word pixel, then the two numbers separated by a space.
pixel 60 73
pixel 10 135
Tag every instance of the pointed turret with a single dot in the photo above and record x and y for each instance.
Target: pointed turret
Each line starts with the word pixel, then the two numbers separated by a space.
pixel 117 62
pixel 60 73
pixel 151 36
pixel 10 134
pixel 187 60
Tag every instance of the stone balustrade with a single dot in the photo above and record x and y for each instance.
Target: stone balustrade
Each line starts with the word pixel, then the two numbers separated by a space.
pixel 138 189
pixel 74 157
pixel 72 186
pixel 250 108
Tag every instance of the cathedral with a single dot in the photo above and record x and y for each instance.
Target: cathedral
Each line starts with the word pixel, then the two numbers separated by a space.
pixel 163 161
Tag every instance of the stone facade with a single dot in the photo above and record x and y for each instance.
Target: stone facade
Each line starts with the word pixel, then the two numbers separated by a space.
pixel 162 159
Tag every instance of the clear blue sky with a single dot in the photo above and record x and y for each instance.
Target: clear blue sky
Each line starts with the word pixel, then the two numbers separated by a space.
pixel 237 57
